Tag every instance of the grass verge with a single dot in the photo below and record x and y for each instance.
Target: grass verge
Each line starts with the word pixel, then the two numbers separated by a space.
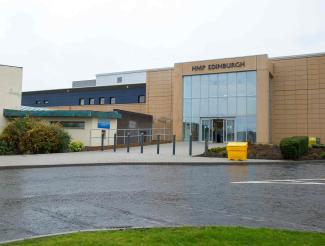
pixel 183 236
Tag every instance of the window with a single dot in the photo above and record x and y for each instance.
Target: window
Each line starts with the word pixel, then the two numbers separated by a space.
pixel 70 124
pixel 102 100
pixel 38 102
pixel 112 100
pixel 119 80
pixel 46 101
pixel 91 101
pixel 221 96
pixel 141 99
pixel 82 101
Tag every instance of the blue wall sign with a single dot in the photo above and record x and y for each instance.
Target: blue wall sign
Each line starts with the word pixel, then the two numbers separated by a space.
pixel 104 123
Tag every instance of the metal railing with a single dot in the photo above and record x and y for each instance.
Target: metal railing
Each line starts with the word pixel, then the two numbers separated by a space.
pixel 149 135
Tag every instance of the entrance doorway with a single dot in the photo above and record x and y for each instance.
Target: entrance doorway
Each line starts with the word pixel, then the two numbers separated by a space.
pixel 218 130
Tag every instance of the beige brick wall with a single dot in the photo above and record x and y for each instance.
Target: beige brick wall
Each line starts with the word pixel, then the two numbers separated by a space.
pixel 298 97
pixel 159 97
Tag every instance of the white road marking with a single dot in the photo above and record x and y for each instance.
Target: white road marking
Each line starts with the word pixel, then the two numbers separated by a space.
pixel 285 181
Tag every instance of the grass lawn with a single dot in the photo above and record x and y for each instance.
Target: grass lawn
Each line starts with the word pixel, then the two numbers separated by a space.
pixel 184 236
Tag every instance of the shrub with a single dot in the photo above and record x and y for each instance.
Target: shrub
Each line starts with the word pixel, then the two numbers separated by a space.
pixel 318 146
pixel 76 146
pixel 63 139
pixel 217 149
pixel 322 155
pixel 4 148
pixel 294 147
pixel 32 136
pixel 15 131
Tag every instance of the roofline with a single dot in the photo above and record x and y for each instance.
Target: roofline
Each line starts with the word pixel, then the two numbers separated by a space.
pixel 83 88
pixel 222 58
pixel 297 56
pixel 13 113
pixel 3 65
pixel 135 71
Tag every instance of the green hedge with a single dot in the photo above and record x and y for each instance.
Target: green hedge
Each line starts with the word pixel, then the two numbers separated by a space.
pixel 33 136
pixel 294 147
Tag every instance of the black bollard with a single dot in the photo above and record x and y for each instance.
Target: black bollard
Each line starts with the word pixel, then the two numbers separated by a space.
pixel 114 146
pixel 128 143
pixel 190 146
pixel 174 144
pixel 158 144
pixel 141 140
pixel 103 137
pixel 206 147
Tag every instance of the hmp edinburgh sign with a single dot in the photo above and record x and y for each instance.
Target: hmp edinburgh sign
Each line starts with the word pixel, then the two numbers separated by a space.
pixel 218 66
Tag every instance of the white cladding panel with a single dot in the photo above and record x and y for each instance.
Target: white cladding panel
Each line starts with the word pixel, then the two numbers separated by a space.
pixel 127 78
pixel 10 90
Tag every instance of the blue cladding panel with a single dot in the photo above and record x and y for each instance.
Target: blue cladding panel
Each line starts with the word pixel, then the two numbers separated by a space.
pixel 70 97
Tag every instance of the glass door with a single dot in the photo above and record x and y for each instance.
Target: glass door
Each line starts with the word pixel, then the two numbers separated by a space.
pixel 205 124
pixel 229 130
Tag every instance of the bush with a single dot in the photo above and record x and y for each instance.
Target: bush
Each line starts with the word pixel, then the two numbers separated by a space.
pixel 294 147
pixel 318 146
pixel 76 146
pixel 322 155
pixel 4 148
pixel 32 136
pixel 217 149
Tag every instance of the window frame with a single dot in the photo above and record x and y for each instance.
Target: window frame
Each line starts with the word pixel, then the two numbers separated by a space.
pixel 100 100
pixel 112 98
pixel 90 101
pixel 82 100
pixel 141 96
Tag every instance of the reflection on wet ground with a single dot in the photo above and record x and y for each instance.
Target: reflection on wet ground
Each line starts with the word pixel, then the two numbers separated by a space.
pixel 52 200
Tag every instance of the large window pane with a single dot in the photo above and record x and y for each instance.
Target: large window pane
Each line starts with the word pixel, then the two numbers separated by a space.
pixel 222 106
pixel 187 87
pixel 241 84
pixel 241 106
pixel 222 85
pixel 251 129
pixel 204 86
pixel 241 128
pixel 195 128
pixel 213 85
pixel 195 107
pixel 231 106
pixel 251 105
pixel 186 128
pixel 213 106
pixel 251 83
pixel 204 108
pixel 196 86
pixel 187 111
pixel 231 84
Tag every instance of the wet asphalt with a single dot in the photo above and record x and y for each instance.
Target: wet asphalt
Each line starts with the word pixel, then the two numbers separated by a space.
pixel 51 200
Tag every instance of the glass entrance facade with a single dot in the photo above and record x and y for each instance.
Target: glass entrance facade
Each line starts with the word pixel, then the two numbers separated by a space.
pixel 220 107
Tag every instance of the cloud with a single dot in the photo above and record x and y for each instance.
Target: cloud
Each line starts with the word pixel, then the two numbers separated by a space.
pixel 60 41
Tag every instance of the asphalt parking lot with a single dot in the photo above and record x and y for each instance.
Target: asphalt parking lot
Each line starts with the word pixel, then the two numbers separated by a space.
pixel 51 200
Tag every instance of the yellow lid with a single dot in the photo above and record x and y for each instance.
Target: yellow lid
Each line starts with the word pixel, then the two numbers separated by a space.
pixel 237 144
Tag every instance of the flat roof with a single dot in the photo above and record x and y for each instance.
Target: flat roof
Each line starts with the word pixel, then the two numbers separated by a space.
pixel 3 65
pixel 82 89
pixel 13 113
pixel 298 56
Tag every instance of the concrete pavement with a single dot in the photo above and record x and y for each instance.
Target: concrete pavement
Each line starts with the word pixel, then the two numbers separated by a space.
pixel 121 157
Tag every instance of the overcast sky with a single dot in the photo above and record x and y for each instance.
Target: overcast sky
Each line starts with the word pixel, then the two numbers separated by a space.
pixel 59 41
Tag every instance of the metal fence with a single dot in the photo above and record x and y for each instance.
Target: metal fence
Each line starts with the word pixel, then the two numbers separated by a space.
pixel 134 135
